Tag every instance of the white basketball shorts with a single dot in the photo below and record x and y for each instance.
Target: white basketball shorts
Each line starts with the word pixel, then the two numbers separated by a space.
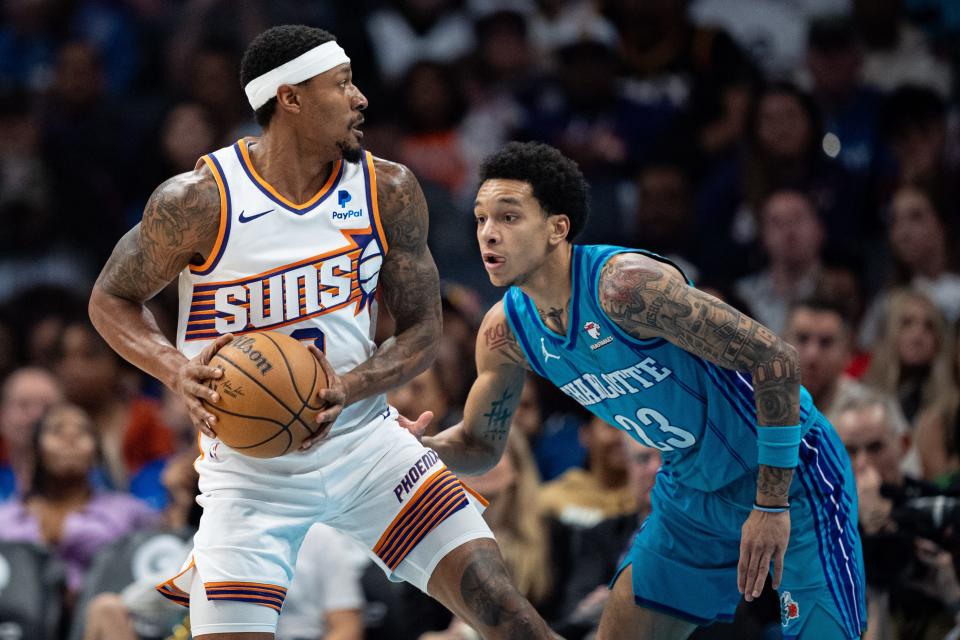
pixel 377 484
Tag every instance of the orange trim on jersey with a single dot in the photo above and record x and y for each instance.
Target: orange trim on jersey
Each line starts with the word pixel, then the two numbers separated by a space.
pixel 245 154
pixel 247 585
pixel 222 230
pixel 437 514
pixel 375 203
pixel 168 586
pixel 411 504
pixel 479 498
pixel 263 275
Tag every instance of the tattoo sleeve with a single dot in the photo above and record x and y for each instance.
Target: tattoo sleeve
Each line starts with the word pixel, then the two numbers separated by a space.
pixel 179 226
pixel 649 299
pixel 410 288
pixel 180 223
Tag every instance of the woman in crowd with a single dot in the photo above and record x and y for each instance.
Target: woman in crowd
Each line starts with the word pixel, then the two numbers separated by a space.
pixel 912 358
pixel 918 235
pixel 61 509
pixel 938 429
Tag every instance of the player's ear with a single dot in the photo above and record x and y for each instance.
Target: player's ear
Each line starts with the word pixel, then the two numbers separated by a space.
pixel 288 98
pixel 559 228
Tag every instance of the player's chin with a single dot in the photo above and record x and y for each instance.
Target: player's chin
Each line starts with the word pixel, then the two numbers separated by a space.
pixel 351 150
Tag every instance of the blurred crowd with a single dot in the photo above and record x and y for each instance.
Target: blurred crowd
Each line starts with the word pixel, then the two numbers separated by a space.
pixel 799 158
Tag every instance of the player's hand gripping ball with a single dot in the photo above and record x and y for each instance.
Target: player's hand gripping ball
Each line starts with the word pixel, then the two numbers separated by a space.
pixel 268 394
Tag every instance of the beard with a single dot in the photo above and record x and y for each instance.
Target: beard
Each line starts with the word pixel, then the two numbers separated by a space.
pixel 350 152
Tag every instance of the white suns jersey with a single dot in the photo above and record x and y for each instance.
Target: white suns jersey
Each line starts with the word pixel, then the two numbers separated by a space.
pixel 308 270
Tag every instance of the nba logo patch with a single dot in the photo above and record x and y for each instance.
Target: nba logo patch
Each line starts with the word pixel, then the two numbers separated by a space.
pixel 592 328
pixel 789 609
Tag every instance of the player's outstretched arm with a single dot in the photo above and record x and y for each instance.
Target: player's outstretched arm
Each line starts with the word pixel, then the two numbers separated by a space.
pixel 475 445
pixel 409 284
pixel 648 298
pixel 179 225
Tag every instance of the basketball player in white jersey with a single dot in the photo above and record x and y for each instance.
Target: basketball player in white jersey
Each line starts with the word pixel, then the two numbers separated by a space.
pixel 293 231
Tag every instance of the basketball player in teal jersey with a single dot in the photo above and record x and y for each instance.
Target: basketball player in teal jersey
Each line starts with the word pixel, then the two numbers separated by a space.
pixel 745 452
pixel 292 231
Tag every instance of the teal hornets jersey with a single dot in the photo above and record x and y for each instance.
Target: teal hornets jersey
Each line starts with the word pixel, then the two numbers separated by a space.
pixel 701 417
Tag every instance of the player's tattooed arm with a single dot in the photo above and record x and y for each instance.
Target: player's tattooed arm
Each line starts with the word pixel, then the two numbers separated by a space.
pixel 476 444
pixel 648 298
pixel 409 286
pixel 179 226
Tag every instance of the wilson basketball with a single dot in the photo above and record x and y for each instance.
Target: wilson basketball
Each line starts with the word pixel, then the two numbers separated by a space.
pixel 268 401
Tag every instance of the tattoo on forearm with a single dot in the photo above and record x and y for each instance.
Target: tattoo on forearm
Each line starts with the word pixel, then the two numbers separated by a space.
pixel 500 338
pixel 773 483
pixel 646 303
pixel 487 592
pixel 180 221
pixel 499 416
pixel 410 284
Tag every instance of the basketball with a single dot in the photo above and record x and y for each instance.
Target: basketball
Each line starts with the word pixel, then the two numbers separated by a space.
pixel 268 402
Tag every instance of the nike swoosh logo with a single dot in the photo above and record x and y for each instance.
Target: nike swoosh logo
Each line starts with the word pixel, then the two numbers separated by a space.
pixel 254 216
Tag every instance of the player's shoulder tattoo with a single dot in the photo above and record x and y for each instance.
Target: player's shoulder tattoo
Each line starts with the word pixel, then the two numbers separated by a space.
pixel 633 289
pixel 496 336
pixel 402 205
pixel 180 224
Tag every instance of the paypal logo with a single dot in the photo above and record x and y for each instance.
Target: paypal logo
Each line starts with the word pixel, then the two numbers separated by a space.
pixel 348 214
pixel 343 197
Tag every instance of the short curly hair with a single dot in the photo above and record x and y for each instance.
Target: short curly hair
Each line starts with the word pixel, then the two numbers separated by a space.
pixel 271 49
pixel 558 184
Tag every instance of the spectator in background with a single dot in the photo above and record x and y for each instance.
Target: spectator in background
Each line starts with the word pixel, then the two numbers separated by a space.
pixel 938 430
pixel 912 587
pixel 912 360
pixel 432 105
pixel 150 483
pixel 213 85
pixel 921 239
pixel 429 391
pixel 128 427
pixel 512 488
pixel 914 124
pixel 850 110
pixel 325 599
pixel 27 393
pixel 404 32
pixel 144 558
pixel 695 68
pixel 28 33
pixel 587 115
pixel 585 560
pixel 782 151
pixel 23 176
pixel 553 438
pixel 897 53
pixel 791 233
pixel 664 220
pixel 186 133
pixel 823 336
pixel 501 69
pixel 584 497
pixel 60 508
pixel 87 148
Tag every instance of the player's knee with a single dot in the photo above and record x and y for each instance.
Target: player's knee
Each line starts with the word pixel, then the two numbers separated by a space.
pixel 474 577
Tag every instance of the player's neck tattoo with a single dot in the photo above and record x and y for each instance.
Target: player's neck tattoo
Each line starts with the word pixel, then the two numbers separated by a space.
pixel 554 319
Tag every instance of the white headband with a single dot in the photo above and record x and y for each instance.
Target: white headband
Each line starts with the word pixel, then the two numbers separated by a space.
pixel 305 66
